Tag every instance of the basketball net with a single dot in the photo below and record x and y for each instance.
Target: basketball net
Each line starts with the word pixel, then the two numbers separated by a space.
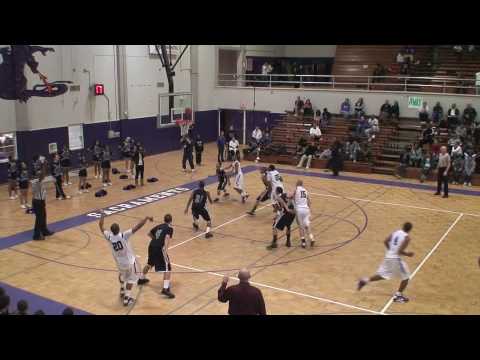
pixel 184 126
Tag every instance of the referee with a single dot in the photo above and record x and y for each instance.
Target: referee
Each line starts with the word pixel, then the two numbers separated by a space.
pixel 444 163
pixel 39 194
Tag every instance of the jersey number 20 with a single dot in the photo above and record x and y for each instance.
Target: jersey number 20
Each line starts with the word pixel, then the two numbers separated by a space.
pixel 117 246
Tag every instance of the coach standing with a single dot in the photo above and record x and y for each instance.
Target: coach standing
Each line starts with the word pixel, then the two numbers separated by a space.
pixel 243 299
pixel 39 194
pixel 443 167
pixel 139 160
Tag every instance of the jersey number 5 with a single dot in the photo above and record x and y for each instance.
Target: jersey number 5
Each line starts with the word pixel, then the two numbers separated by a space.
pixel 117 246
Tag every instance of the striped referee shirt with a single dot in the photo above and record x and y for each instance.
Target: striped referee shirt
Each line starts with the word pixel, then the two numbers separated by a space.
pixel 39 191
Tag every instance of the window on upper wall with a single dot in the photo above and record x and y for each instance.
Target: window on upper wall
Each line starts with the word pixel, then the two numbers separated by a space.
pixel 8 146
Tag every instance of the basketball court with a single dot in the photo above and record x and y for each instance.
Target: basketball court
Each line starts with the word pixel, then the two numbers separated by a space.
pixel 351 217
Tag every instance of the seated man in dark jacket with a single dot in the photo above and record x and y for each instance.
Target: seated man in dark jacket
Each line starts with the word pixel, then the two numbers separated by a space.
pixel 469 115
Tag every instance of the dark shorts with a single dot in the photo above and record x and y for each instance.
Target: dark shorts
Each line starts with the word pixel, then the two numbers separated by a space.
pixel 126 155
pixel 96 158
pixel 65 163
pixel 264 196
pixel 23 184
pixel 201 212
pixel 106 164
pixel 158 260
pixel 285 221
pixel 222 185
pixel 82 173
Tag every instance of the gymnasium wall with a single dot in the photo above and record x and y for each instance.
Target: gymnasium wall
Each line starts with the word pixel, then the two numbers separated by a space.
pixel 305 51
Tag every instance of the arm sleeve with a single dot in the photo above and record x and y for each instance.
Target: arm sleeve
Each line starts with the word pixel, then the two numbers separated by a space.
pixel 261 304
pixel 127 234
pixel 223 293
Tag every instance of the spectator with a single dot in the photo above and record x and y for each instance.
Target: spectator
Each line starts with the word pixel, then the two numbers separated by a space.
pixel 301 146
pixel 345 108
pixel 452 117
pixel 67 311
pixel 469 167
pixel 257 135
pixel 437 114
pixel 221 146
pixel 4 304
pixel 476 131
pixel 457 151
pixel 378 72
pixel 336 161
pixel 22 308
pixel 427 136
pixel 318 117
pixel 385 111
pixel 443 167
pixel 315 132
pixel 423 112
pixel 307 108
pixel 471 48
pixel 243 298
pixel 458 50
pixel 354 150
pixel 359 108
pixel 326 154
pixel 299 104
pixel 362 125
pixel 234 149
pixel 426 168
pixel 373 128
pixel 457 166
pixel 404 162
pixel 469 115
pixel 307 156
pixel 395 111
pixel 400 58
pixel 461 132
pixel 416 156
pixel 326 116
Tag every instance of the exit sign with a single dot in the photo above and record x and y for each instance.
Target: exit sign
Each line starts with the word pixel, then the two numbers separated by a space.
pixel 99 89
pixel 415 102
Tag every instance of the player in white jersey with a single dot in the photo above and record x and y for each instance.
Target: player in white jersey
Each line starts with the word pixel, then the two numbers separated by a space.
pixel 238 182
pixel 275 180
pixel 302 202
pixel 127 264
pixel 393 265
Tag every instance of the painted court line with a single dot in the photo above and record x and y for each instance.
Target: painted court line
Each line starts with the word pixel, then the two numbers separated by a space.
pixel 387 305
pixel 322 299
pixel 215 228
pixel 396 204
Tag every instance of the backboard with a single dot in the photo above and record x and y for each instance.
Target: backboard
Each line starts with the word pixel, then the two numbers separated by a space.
pixel 173 107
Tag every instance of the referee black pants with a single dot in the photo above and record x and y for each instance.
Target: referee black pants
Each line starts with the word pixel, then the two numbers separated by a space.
pixel 442 179
pixel 40 218
pixel 198 157
pixel 58 187
pixel 221 153
pixel 187 157
pixel 139 171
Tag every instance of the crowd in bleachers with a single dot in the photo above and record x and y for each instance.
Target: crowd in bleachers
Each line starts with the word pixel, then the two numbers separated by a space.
pixel 22 307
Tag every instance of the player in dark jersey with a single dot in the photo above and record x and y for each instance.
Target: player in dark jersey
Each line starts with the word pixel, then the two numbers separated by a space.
pixel 223 181
pixel 198 199
pixel 82 173
pixel 265 194
pixel 284 218
pixel 158 253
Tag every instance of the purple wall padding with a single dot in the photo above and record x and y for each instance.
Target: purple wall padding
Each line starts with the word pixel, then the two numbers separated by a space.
pixel 206 124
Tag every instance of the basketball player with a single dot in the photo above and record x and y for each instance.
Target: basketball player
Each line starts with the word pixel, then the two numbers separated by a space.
pixel 157 253
pixel 97 158
pixel 302 202
pixel 284 218
pixel 124 256
pixel 199 198
pixel 265 194
pixel 238 183
pixel 12 177
pixel 223 181
pixel 82 173
pixel 393 265
pixel 275 180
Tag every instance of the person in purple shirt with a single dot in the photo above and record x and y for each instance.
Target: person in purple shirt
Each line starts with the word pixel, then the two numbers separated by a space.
pixel 243 299
pixel 346 108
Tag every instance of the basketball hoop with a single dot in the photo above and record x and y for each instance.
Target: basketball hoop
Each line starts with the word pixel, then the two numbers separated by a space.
pixel 184 126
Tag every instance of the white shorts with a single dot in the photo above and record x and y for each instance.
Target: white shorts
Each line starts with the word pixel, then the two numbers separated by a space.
pixel 391 268
pixel 129 275
pixel 238 184
pixel 303 217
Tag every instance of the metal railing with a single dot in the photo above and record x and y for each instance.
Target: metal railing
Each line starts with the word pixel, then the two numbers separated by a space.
pixel 353 82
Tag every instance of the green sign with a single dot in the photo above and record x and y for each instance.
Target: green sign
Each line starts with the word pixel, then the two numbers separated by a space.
pixel 415 102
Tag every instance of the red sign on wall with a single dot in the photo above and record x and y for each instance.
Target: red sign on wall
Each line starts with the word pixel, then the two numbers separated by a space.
pixel 99 89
